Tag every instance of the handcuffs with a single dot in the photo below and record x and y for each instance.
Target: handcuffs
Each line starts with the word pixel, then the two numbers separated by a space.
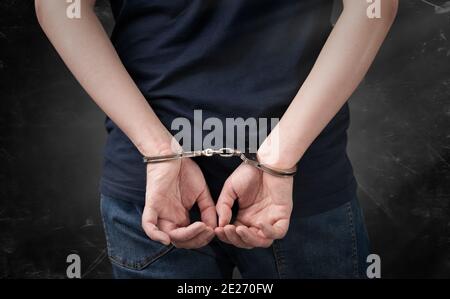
pixel 226 152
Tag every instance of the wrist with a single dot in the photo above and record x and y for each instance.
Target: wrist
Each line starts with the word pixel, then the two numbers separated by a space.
pixel 163 145
pixel 274 157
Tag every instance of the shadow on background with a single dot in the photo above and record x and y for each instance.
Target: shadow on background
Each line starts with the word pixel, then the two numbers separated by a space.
pixel 51 139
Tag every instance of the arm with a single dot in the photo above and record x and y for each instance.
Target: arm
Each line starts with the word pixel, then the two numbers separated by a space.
pixel 265 201
pixel 340 67
pixel 87 51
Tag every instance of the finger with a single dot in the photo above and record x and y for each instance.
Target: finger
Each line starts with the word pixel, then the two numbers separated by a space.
pixel 149 220
pixel 251 238
pixel 166 225
pixel 275 231
pixel 230 232
pixel 202 239
pixel 225 203
pixel 220 233
pixel 207 209
pixel 186 233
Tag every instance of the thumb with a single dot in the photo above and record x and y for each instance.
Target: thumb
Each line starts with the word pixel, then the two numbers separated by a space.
pixel 225 203
pixel 206 205
pixel 149 224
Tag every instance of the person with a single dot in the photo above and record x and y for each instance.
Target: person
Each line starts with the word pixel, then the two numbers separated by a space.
pixel 250 59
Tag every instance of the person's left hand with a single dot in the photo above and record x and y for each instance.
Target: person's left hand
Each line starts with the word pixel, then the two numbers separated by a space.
pixel 265 206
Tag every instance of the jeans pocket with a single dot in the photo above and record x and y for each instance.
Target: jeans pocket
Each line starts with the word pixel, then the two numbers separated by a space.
pixel 128 245
pixel 332 244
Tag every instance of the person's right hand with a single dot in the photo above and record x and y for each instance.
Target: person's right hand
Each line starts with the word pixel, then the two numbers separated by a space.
pixel 265 207
pixel 172 189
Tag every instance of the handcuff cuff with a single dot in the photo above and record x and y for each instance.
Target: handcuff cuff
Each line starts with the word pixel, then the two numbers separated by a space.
pixel 226 152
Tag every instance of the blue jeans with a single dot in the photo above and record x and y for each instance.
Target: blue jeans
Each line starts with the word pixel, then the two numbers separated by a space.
pixel 333 244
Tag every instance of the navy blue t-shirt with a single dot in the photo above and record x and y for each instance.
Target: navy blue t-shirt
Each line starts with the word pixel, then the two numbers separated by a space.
pixel 231 59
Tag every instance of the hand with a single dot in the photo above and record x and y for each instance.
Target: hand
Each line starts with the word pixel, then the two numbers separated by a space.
pixel 265 206
pixel 172 189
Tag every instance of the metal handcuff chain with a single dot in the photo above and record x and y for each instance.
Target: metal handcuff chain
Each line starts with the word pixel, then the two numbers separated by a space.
pixel 225 152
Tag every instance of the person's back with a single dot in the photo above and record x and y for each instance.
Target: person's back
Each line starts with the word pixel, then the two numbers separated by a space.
pixel 229 59
pixel 291 210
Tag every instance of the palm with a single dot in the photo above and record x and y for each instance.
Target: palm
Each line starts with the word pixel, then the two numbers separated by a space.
pixel 172 189
pixel 265 204
pixel 261 197
pixel 169 194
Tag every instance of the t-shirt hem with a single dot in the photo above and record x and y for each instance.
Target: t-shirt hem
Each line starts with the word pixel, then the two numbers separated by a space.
pixel 307 207
pixel 324 203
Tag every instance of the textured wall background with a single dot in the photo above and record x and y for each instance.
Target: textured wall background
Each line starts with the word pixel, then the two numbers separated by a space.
pixel 51 139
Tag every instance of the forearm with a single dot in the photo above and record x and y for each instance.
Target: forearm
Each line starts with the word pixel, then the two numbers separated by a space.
pixel 88 53
pixel 340 67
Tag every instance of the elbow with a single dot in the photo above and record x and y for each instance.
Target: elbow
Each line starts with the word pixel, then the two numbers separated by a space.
pixel 390 10
pixel 385 11
pixel 42 9
pixel 47 8
pixel 38 10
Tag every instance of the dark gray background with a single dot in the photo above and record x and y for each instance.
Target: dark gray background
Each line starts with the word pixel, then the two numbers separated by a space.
pixel 51 138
